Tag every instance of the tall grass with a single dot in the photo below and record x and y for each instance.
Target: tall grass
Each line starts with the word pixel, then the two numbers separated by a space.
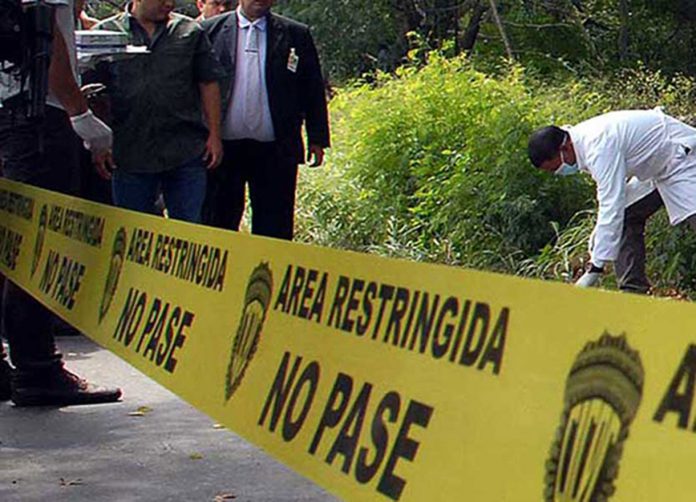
pixel 430 164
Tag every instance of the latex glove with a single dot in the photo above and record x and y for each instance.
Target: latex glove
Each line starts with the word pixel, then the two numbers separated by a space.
pixel 96 135
pixel 589 280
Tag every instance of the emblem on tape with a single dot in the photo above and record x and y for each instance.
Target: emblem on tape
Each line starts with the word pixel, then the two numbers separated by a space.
pixel 256 302
pixel 602 395
pixel 118 255
pixel 40 237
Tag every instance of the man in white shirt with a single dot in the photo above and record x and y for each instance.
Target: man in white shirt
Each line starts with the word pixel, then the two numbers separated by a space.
pixel 45 153
pixel 614 148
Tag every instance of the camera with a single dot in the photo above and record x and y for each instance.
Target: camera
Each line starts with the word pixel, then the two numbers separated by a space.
pixel 26 33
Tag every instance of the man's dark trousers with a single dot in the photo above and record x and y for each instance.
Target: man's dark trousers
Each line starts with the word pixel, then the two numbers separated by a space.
pixel 630 263
pixel 271 177
pixel 44 155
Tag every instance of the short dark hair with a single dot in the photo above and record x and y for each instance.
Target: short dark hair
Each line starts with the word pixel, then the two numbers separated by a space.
pixel 545 143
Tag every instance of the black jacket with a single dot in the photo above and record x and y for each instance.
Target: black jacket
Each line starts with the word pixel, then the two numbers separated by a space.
pixel 293 97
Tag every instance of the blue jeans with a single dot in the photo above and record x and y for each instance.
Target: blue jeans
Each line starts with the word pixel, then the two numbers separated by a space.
pixel 183 189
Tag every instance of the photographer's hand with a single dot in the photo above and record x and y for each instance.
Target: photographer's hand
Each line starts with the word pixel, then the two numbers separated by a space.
pixel 96 135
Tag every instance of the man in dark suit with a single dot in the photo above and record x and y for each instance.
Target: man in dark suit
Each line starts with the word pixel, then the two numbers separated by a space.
pixel 273 84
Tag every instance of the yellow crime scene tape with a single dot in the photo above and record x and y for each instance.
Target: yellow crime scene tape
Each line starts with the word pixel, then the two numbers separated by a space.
pixel 377 378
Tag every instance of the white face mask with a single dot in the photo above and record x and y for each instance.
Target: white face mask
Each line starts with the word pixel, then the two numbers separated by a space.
pixel 566 169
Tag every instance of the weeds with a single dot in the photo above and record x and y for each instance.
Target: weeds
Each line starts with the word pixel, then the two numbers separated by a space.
pixel 430 165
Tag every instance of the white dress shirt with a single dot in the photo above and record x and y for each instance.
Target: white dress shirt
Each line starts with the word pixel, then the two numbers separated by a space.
pixel 647 145
pixel 235 125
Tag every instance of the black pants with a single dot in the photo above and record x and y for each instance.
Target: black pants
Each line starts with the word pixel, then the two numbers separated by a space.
pixel 630 263
pixel 271 178
pixel 45 155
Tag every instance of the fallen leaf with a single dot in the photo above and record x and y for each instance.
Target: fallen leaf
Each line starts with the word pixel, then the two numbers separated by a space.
pixel 196 456
pixel 220 497
pixel 140 412
pixel 70 482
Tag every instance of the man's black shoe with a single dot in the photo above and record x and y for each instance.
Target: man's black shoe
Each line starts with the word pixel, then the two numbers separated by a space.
pixel 61 388
pixel 5 380
pixel 62 328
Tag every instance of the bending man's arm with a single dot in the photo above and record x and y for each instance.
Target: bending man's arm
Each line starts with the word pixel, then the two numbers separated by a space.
pixel 610 175
pixel 609 172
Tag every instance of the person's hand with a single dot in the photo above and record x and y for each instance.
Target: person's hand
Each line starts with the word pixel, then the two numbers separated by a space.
pixel 96 135
pixel 315 155
pixel 591 277
pixel 103 163
pixel 213 152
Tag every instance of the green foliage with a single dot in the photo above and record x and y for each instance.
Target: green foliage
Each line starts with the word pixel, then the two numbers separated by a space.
pixel 672 255
pixel 430 164
pixel 587 36
pixel 353 36
pixel 101 9
pixel 642 88
pixel 597 36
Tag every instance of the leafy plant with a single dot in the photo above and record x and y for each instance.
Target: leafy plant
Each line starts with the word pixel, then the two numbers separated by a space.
pixel 430 164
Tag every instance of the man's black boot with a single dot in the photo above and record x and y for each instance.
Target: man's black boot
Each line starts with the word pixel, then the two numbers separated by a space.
pixel 61 328
pixel 59 388
pixel 5 380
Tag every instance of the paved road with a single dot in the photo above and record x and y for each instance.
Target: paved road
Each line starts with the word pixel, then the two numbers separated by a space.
pixel 170 452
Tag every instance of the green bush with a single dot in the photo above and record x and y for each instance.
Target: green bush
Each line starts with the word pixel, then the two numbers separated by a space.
pixel 431 164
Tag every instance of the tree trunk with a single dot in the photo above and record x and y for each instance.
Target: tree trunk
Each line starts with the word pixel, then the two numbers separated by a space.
pixel 472 30
pixel 503 35
pixel 623 32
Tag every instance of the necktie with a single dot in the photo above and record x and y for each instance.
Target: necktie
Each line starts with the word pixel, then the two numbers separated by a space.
pixel 253 102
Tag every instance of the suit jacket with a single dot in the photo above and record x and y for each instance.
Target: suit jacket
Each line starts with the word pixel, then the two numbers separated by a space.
pixel 293 97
